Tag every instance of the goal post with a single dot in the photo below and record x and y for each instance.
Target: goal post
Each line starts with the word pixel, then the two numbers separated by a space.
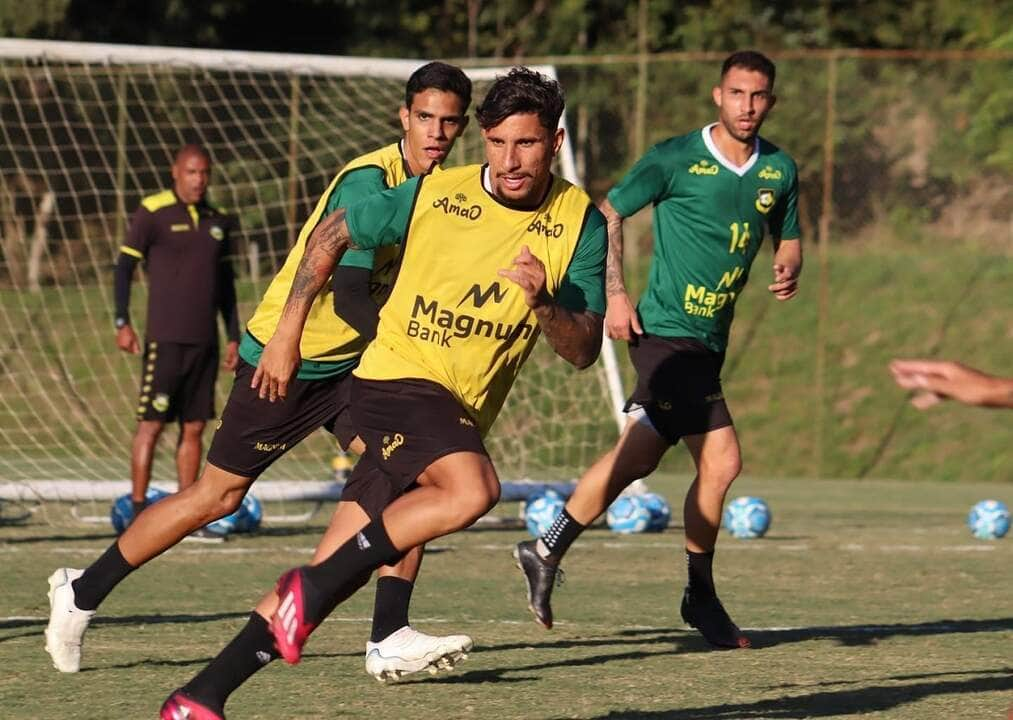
pixel 86 131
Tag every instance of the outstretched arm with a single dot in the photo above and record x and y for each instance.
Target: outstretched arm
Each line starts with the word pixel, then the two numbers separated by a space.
pixel 280 359
pixel 575 336
pixel 939 379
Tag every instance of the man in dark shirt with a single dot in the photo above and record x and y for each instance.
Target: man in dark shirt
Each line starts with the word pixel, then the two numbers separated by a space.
pixel 185 245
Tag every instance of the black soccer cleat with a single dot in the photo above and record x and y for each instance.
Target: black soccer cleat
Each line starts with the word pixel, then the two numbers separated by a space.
pixel 540 575
pixel 708 615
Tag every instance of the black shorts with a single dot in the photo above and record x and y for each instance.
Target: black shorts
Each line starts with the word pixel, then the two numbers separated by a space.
pixel 409 424
pixel 678 386
pixel 253 433
pixel 177 382
pixel 372 488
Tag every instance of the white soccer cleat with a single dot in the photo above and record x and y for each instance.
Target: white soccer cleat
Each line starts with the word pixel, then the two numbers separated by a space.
pixel 407 651
pixel 67 623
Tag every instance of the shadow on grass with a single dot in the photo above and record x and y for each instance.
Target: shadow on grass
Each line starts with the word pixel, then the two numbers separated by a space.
pixel 39 624
pixel 109 536
pixel 857 635
pixel 870 699
pixel 681 642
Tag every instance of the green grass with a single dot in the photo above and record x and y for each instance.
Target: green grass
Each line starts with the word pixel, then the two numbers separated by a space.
pixel 68 395
pixel 870 599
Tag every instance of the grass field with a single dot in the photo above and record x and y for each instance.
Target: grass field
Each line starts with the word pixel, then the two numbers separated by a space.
pixel 68 395
pixel 866 599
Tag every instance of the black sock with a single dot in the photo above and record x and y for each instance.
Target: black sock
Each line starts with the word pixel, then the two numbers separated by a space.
pixel 348 569
pixel 250 650
pixel 390 608
pixel 100 578
pixel 701 581
pixel 561 534
pixel 138 505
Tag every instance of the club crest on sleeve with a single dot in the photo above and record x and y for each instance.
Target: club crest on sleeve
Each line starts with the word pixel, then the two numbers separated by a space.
pixel 765 200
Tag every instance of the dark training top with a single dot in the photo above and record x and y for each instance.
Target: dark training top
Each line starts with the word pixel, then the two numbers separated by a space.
pixel 186 251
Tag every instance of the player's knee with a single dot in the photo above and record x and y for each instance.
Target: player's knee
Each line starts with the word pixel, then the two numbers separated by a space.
pixel 216 497
pixel 230 501
pixel 721 473
pixel 474 500
pixel 636 469
pixel 148 431
pixel 191 432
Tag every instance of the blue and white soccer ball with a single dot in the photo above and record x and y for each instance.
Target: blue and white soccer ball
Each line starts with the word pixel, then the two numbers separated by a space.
pixel 224 525
pixel 628 514
pixel 541 511
pixel 661 511
pixel 121 514
pixel 249 515
pixel 246 518
pixel 989 519
pixel 747 517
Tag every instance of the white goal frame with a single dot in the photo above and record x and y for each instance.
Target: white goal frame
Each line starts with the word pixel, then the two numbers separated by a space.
pixel 112 54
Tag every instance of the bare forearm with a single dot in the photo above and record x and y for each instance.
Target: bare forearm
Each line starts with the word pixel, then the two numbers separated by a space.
pixel 576 337
pixel 324 247
pixel 1001 395
pixel 615 283
pixel 789 254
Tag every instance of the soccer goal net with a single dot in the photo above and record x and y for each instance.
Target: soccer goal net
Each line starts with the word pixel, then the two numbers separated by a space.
pixel 87 131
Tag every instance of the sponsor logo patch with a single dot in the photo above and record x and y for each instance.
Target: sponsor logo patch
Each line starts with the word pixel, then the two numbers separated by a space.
pixel 480 296
pixel 390 444
pixel 459 207
pixel 703 167
pixel 161 402
pixel 545 227
pixel 217 233
pixel 769 173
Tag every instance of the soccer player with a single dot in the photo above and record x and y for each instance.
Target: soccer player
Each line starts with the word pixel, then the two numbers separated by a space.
pixel 493 256
pixel 935 380
pixel 186 245
pixel 716 193
pixel 254 433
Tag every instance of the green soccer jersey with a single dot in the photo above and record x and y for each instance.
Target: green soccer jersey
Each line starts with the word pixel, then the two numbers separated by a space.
pixel 329 346
pixel 710 217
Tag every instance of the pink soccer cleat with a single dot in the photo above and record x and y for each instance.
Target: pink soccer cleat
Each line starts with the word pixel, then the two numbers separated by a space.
pixel 182 707
pixel 289 625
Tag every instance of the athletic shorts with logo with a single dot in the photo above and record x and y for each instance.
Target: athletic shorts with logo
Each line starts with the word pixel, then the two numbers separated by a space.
pixel 177 381
pixel 253 433
pixel 407 425
pixel 678 386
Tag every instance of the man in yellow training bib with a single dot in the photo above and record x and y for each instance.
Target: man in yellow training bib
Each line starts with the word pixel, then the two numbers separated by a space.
pixel 493 256
pixel 254 433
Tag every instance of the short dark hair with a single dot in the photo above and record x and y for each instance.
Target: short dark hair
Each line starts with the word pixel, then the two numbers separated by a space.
pixel 438 76
pixel 522 91
pixel 750 60
pixel 191 149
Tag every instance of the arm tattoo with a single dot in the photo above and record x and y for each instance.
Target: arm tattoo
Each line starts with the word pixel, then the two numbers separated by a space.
pixel 324 247
pixel 614 283
pixel 576 337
